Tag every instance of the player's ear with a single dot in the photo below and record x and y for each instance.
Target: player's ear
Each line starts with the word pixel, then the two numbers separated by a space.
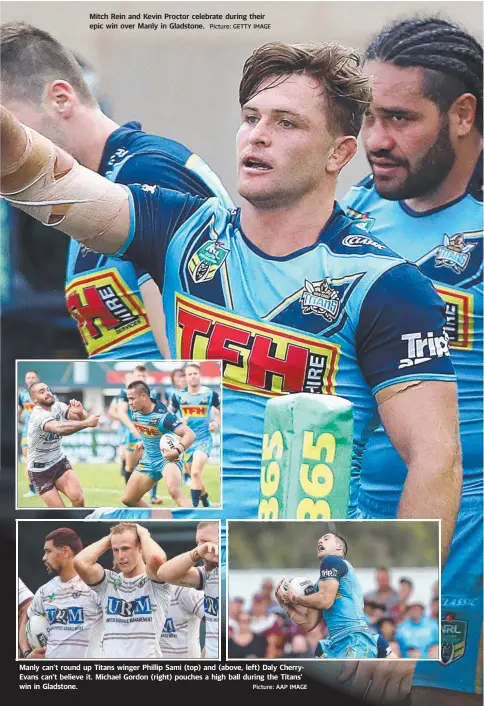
pixel 60 98
pixel 342 151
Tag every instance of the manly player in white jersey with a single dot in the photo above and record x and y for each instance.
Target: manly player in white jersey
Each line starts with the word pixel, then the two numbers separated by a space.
pixel 182 570
pixel 71 608
pixel 180 638
pixel 134 602
pixel 48 468
pixel 25 596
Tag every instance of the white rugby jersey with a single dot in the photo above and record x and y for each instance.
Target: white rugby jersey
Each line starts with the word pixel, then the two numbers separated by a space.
pixel 180 637
pixel 134 613
pixel 44 447
pixel 211 608
pixel 24 593
pixel 74 615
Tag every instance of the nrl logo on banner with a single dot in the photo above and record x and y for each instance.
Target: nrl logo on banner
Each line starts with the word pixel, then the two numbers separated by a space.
pixel 321 299
pixel 454 253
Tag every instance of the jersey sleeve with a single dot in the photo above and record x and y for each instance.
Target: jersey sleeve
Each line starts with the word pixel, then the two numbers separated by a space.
pixel 142 275
pixel 332 567
pixel 171 422
pixel 155 214
pixel 24 593
pixel 37 605
pixel 215 399
pixel 191 600
pixel 400 334
pixel 101 587
pixel 43 417
pixel 175 403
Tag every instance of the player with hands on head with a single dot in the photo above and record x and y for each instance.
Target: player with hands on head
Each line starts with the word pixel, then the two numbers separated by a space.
pixel 182 570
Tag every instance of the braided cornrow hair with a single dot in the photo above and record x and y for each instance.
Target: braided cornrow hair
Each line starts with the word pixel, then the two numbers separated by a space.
pixel 450 56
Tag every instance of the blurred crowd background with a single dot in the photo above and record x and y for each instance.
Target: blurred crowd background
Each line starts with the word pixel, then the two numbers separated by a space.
pixel 396 564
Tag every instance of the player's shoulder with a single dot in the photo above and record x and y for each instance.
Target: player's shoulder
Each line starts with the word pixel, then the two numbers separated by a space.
pixel 332 566
pixel 346 236
pixel 49 589
pixel 134 139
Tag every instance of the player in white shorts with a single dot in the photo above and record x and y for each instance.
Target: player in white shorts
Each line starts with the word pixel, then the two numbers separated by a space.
pixel 48 468
pixel 72 609
pixel 180 638
pixel 183 571
pixel 134 602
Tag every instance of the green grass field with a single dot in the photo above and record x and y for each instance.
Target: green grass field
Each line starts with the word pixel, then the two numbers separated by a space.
pixel 103 486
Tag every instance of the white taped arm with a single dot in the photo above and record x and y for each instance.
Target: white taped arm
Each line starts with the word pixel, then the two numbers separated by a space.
pixel 47 183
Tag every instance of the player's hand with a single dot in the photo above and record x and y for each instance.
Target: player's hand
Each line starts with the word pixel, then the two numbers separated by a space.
pixel 38 653
pixel 208 551
pixel 281 591
pixel 140 448
pixel 291 595
pixel 172 454
pixel 142 531
pixel 92 420
pixel 379 682
pixel 213 426
pixel 75 403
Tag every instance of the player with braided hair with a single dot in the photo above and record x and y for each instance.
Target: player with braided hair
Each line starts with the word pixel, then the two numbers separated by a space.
pixel 423 139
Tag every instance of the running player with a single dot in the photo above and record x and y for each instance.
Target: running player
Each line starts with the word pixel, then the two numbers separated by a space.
pixel 195 404
pixel 180 637
pixel 49 469
pixel 25 405
pixel 338 599
pixel 134 603
pixel 178 382
pixel 423 139
pixel 182 570
pixel 113 302
pixel 72 609
pixel 152 420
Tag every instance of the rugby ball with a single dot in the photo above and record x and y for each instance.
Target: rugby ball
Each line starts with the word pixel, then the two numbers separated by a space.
pixel 37 631
pixel 302 585
pixel 169 442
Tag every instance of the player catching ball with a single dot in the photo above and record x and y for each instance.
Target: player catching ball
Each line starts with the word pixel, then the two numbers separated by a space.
pixel 349 636
pixel 152 420
pixel 49 469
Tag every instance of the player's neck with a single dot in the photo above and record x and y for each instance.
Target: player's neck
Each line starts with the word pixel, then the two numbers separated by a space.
pixel 91 129
pixel 194 390
pixel 456 182
pixel 149 408
pixel 67 573
pixel 283 231
pixel 45 407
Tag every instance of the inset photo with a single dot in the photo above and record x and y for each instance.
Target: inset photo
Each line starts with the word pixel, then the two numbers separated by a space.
pixel 94 590
pixel 119 434
pixel 354 589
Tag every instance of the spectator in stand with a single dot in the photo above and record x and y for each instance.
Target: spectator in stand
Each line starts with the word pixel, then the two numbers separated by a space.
pixel 267 590
pixel 373 613
pixel 417 632
pixel 235 609
pixel 384 592
pixel 262 620
pixel 434 608
pixel 245 644
pixel 398 610
pixel 435 590
pixel 386 627
pixel 300 647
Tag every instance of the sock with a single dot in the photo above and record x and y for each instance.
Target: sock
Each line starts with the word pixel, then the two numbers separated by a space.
pixel 153 491
pixel 195 497
pixel 204 499
pixel 31 488
pixel 123 467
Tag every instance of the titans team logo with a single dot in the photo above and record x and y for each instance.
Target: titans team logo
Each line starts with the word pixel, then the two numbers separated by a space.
pixel 454 253
pixel 321 299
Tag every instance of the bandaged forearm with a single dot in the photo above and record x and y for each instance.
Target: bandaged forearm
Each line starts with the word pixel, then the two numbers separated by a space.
pixel 53 188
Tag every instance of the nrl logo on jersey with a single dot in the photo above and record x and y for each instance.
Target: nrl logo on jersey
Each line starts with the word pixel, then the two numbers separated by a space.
pixel 454 639
pixel 321 299
pixel 362 219
pixel 454 253
pixel 209 258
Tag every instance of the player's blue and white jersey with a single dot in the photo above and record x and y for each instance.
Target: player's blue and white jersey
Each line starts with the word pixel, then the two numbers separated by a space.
pixel 27 405
pixel 446 244
pixel 346 614
pixel 169 392
pixel 195 409
pixel 152 426
pixel 340 317
pixel 103 293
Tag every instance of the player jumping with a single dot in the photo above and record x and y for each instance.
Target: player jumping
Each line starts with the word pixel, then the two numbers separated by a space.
pixel 195 404
pixel 349 636
pixel 49 470
pixel 152 420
